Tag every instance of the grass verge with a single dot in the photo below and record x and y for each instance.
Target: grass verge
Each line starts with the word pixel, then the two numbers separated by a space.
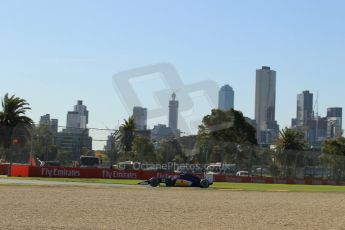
pixel 279 187
pixel 218 185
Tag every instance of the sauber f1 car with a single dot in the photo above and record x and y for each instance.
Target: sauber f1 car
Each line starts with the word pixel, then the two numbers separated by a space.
pixel 182 180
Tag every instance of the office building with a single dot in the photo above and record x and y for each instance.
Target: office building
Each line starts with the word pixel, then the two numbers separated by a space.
pixel 110 143
pixel 226 98
pixel 304 108
pixel 305 121
pixel 51 124
pixel 75 138
pixel 334 122
pixel 265 104
pixel 316 129
pixel 335 112
pixel 79 117
pixel 140 118
pixel 162 132
pixel 45 120
pixel 54 126
pixel 74 143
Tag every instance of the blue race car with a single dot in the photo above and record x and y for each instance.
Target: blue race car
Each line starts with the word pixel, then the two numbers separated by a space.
pixel 183 180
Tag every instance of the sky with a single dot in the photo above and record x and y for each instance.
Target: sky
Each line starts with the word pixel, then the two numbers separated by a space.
pixel 53 53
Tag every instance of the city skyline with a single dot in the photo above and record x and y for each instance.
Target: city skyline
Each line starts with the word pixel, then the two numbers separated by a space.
pixel 304 99
pixel 143 110
pixel 57 64
pixel 316 128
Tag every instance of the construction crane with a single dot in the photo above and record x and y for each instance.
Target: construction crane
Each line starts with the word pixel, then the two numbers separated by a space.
pixel 316 116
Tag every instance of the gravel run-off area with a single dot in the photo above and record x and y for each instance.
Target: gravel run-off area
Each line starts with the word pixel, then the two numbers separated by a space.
pixel 68 207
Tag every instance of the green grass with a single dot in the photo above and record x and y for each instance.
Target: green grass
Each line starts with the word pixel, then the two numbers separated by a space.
pixel 218 185
pixel 279 187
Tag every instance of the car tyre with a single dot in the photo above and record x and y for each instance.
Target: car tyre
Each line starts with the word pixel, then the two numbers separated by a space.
pixel 154 182
pixel 169 182
pixel 204 183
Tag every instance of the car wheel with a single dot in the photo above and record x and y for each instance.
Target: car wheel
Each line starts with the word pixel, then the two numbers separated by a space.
pixel 204 183
pixel 169 182
pixel 154 182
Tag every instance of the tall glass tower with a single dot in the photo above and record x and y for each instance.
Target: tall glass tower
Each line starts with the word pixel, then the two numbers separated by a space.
pixel 140 117
pixel 304 108
pixel 226 98
pixel 265 105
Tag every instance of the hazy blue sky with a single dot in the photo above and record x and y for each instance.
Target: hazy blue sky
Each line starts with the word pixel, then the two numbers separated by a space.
pixel 55 52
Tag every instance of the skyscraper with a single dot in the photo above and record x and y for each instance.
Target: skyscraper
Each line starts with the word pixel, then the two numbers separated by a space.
pixel 265 104
pixel 75 138
pixel 304 108
pixel 140 117
pixel 226 98
pixel 79 117
pixel 334 122
pixel 54 125
pixel 335 112
pixel 305 120
pixel 173 113
pixel 51 124
pixel 45 120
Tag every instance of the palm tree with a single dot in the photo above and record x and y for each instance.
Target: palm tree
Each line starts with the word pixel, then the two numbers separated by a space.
pixel 289 144
pixel 290 139
pixel 14 125
pixel 127 133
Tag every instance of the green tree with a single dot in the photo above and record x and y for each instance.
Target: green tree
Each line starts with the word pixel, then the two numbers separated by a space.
pixel 291 139
pixel 228 126
pixel 65 157
pixel 222 137
pixel 143 149
pixel 170 151
pixel 127 134
pixel 42 146
pixel 86 152
pixel 334 156
pixel 115 148
pixel 334 146
pixel 15 127
pixel 290 150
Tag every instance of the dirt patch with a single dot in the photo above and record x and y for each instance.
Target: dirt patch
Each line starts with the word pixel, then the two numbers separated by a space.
pixel 34 207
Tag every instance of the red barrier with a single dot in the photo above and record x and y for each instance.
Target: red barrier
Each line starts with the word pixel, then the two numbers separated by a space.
pixel 19 171
pixel 61 172
pixel 4 169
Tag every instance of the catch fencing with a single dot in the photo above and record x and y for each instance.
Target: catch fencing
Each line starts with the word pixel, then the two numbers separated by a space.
pixel 191 154
pixel 106 173
pixel 291 164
